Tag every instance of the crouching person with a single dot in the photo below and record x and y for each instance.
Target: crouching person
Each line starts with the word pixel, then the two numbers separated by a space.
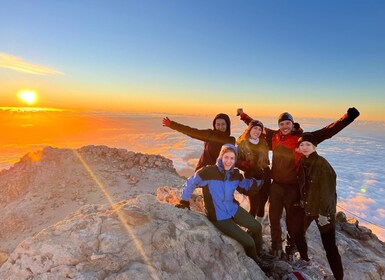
pixel 219 183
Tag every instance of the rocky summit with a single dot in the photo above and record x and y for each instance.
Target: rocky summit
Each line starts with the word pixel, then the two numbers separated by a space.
pixel 105 213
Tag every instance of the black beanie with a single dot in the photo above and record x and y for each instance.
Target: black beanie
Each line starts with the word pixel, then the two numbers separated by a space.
pixel 227 120
pixel 255 123
pixel 308 137
pixel 285 117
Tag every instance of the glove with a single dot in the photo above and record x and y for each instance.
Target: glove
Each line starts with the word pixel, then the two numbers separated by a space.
pixel 183 204
pixel 254 173
pixel 239 111
pixel 323 220
pixel 256 187
pixel 353 113
pixel 249 173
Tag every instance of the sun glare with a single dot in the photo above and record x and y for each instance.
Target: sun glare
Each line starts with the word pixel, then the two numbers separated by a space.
pixel 29 97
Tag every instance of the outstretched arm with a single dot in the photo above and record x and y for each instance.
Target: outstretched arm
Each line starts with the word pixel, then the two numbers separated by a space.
pixel 335 127
pixel 199 134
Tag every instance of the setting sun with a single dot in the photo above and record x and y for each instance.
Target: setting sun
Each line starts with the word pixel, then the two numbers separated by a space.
pixel 29 97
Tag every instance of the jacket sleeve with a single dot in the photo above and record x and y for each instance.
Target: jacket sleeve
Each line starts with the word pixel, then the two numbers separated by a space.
pixel 246 118
pixel 268 132
pixel 332 129
pixel 327 193
pixel 205 135
pixel 191 184
pixel 247 186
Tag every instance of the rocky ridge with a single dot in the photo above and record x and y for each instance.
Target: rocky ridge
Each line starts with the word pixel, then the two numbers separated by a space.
pixel 105 213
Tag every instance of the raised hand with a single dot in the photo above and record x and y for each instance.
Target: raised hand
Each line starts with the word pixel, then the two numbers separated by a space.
pixel 166 122
pixel 239 111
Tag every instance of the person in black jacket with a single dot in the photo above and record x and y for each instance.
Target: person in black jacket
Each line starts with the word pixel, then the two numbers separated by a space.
pixel 213 138
pixel 317 183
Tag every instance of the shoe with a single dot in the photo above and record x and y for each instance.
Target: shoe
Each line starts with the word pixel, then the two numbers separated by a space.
pixel 265 266
pixel 301 263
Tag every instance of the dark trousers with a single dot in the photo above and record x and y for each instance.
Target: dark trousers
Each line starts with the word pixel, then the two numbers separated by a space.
pixel 258 201
pixel 328 237
pixel 283 196
pixel 252 243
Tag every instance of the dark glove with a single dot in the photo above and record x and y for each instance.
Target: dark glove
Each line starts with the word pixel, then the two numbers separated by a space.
pixel 254 173
pixel 353 113
pixel 183 204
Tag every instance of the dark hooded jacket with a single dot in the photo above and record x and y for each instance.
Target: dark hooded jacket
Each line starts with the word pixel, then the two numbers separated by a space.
pixel 213 139
pixel 317 183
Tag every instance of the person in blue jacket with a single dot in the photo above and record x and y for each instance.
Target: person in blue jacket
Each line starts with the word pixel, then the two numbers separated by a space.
pixel 219 183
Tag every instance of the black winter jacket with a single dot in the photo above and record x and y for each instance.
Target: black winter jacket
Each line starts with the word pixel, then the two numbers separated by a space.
pixel 317 183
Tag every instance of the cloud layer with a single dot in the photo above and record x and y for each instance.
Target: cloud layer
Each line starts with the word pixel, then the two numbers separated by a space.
pixel 18 64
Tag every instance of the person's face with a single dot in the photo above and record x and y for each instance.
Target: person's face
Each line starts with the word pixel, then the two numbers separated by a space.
pixel 306 148
pixel 228 160
pixel 286 127
pixel 255 132
pixel 220 124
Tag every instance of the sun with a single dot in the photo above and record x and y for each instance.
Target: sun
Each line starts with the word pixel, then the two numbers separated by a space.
pixel 28 96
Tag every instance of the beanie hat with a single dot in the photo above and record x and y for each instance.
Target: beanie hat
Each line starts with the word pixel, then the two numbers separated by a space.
pixel 227 120
pixel 255 123
pixel 308 137
pixel 285 117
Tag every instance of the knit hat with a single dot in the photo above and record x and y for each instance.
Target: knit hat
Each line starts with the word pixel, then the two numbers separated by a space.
pixel 255 123
pixel 308 137
pixel 285 117
pixel 227 120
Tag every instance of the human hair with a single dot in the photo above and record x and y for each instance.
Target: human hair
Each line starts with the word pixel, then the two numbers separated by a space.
pixel 226 149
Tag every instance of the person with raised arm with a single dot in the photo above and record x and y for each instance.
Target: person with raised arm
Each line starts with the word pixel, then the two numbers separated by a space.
pixel 284 190
pixel 253 153
pixel 213 138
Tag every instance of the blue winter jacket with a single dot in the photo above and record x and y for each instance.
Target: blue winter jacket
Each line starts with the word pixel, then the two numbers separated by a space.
pixel 218 189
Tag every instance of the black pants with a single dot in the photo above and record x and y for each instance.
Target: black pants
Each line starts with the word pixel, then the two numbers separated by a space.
pixel 252 243
pixel 283 196
pixel 328 237
pixel 258 201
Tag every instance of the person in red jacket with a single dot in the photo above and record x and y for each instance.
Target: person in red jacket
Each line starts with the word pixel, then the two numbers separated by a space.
pixel 213 138
pixel 284 190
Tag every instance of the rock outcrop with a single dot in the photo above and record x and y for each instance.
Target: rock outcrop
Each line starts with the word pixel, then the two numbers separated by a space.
pixel 140 238
pixel 47 185
pixel 104 213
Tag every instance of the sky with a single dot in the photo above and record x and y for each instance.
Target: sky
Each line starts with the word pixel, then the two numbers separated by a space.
pixel 311 58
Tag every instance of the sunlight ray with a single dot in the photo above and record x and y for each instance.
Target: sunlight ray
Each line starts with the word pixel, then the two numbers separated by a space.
pixel 137 242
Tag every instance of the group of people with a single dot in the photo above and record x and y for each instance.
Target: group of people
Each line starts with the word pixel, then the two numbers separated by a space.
pixel 297 180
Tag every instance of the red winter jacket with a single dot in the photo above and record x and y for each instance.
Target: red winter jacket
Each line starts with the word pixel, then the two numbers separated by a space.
pixel 285 155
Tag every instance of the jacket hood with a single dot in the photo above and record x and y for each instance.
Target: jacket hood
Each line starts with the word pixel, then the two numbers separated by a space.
pixel 219 160
pixel 227 120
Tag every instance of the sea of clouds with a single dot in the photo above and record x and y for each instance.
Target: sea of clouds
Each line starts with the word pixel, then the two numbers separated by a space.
pixel 357 153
